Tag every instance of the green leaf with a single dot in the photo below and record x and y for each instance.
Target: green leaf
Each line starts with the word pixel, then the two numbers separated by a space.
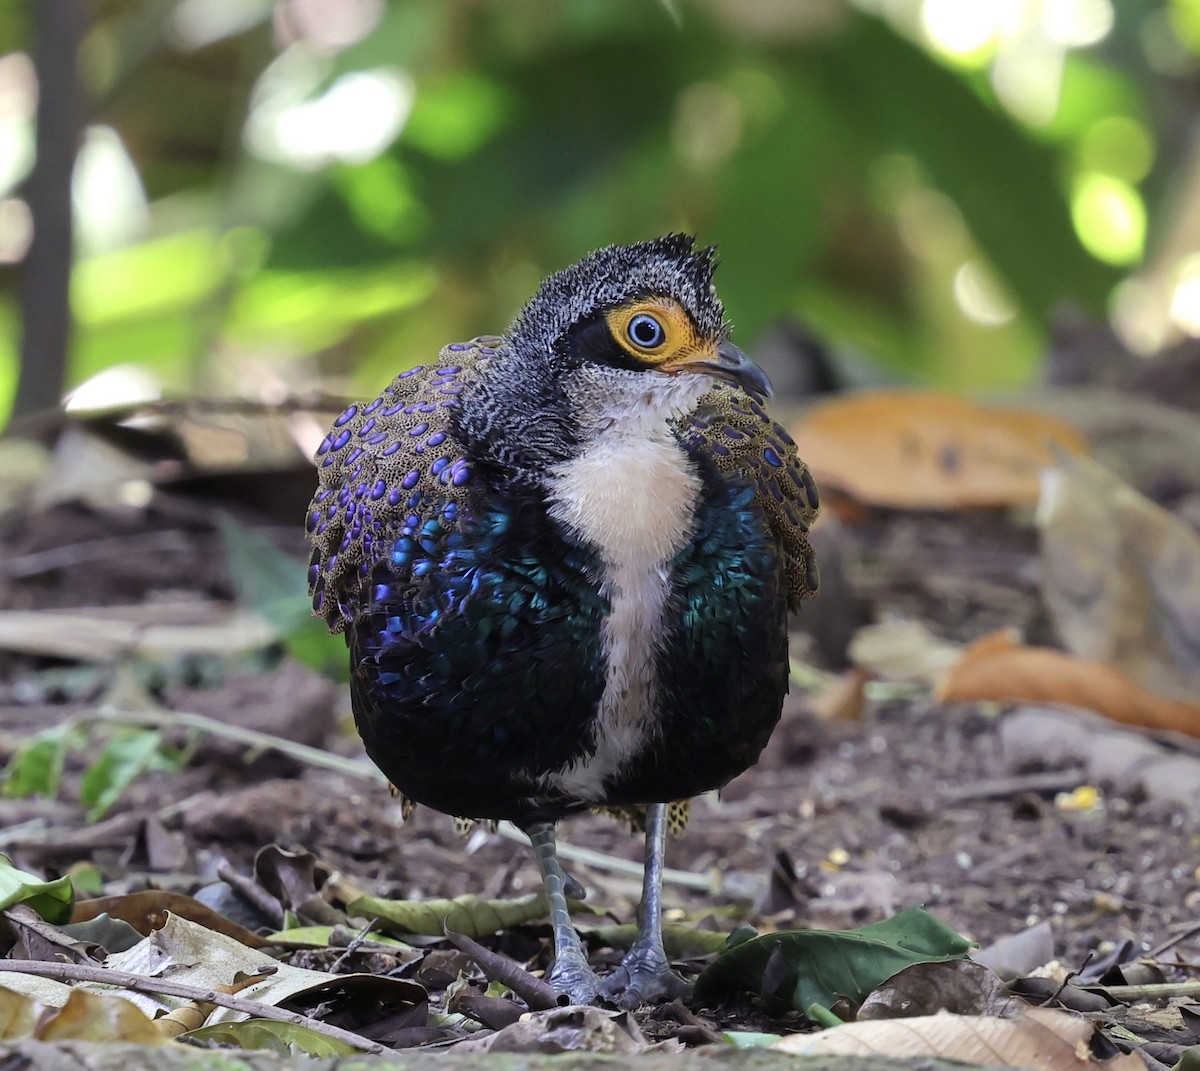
pixel 275 585
pixel 126 756
pixel 680 941
pixel 819 967
pixel 272 1035
pixel 467 915
pixel 1189 1061
pixel 36 769
pixel 53 900
pixel 750 1039
pixel 319 936
pixel 265 578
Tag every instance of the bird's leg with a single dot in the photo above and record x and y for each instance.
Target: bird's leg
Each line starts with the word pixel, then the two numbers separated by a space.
pixel 645 974
pixel 570 973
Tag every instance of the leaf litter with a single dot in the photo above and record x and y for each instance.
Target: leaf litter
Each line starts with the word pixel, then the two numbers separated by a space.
pixel 243 812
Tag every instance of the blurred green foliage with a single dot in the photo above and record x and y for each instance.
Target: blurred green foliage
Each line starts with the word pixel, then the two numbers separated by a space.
pixel 331 189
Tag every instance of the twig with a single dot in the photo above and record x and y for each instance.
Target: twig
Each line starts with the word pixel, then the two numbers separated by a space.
pixel 79 972
pixel 352 946
pixel 1067 980
pixel 1171 942
pixel 1004 787
pixel 536 993
pixel 167 719
pixel 1154 991
pixel 42 561
pixel 254 894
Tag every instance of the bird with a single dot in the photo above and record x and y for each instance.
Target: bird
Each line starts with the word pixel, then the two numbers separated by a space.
pixel 563 560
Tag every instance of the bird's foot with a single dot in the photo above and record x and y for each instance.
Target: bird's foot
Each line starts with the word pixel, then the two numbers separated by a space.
pixel 644 977
pixel 571 977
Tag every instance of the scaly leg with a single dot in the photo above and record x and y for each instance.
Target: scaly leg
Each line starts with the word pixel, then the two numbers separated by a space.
pixel 645 976
pixel 570 974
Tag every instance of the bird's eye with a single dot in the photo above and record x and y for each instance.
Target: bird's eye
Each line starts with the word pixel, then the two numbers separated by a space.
pixel 646 332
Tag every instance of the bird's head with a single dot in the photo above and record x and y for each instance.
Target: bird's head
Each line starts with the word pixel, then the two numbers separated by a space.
pixel 636 318
pixel 631 334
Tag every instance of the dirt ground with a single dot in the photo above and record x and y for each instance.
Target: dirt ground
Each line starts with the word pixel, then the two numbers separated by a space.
pixel 841 823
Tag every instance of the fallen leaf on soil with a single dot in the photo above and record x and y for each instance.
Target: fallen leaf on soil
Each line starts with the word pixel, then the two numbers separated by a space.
pixel 843 698
pixel 1125 760
pixel 925 450
pixel 961 987
pixel 83 1016
pixel 272 1035
pixel 1017 954
pixel 568 1030
pixel 34 938
pixel 204 958
pixel 50 899
pixel 1042 1040
pixel 147 911
pixel 470 915
pixel 1120 577
pixel 104 635
pixel 810 969
pixel 898 649
pixel 998 669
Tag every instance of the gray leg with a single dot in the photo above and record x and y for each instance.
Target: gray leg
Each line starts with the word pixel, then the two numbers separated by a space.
pixel 570 974
pixel 645 976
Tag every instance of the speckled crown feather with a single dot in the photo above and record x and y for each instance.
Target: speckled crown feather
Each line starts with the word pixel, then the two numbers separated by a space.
pixel 670 265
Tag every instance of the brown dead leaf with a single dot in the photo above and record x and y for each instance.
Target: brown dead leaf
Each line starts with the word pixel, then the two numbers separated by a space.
pixel 146 911
pixel 925 450
pixel 1120 577
pixel 998 669
pixel 98 1017
pixel 1042 1040
pixel 572 1029
pixel 843 698
pixel 959 986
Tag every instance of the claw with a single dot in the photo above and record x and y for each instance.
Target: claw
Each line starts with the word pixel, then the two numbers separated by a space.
pixel 574 980
pixel 644 977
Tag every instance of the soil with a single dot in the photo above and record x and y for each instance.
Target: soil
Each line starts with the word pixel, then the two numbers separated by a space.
pixel 902 802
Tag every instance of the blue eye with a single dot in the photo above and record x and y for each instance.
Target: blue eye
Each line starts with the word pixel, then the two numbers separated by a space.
pixel 645 332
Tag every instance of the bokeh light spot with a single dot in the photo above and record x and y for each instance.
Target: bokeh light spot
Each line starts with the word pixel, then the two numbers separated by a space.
pixel 1109 217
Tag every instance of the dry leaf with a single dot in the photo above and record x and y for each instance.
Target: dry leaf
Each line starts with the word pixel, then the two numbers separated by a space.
pixel 924 450
pixel 1042 1040
pixel 901 650
pixel 1120 577
pixel 998 669
pixel 105 634
pixel 960 986
pixel 97 1017
pixel 147 910
pixel 843 698
pixel 193 955
pixel 571 1029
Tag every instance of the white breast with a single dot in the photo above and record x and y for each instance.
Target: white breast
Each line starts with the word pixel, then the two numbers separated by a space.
pixel 632 495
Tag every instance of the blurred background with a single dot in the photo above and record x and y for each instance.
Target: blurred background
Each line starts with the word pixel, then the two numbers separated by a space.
pixel 269 196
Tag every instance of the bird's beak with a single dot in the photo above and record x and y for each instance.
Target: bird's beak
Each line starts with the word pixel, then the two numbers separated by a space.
pixel 729 363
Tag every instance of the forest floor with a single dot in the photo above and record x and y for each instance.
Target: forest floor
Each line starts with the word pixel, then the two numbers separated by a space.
pixel 895 801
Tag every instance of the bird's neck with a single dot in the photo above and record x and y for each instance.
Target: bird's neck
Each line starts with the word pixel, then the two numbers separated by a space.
pixel 629 489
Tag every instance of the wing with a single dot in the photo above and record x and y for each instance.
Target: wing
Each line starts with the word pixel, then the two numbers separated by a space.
pixel 382 463
pixel 739 436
